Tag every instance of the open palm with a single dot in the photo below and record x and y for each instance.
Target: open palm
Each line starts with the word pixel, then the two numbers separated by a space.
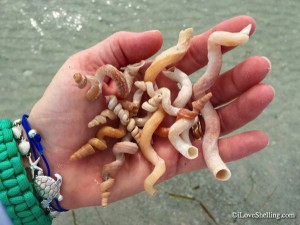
pixel 62 114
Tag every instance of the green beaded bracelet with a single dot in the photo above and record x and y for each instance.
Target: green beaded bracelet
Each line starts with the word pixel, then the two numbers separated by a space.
pixel 16 192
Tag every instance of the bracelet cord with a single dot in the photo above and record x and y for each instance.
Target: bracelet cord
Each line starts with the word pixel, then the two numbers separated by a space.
pixel 37 148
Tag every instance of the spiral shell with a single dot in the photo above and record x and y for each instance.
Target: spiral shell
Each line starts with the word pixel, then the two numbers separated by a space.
pixel 153 103
pixel 148 86
pixel 89 149
pixel 104 186
pixel 80 80
pixel 101 118
pixel 133 130
pixel 117 108
pixel 199 104
pixel 116 75
pixel 131 107
pixel 95 88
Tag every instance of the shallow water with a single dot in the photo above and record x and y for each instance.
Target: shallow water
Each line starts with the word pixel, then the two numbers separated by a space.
pixel 36 37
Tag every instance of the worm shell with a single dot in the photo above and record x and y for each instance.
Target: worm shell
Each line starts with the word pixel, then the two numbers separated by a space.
pixel 185 83
pixel 149 153
pixel 166 58
pixel 212 124
pixel 131 71
pixel 210 144
pixel 153 103
pixel 166 102
pixel 148 86
pixel 125 147
pixel 137 97
pixel 119 149
pixel 170 56
pixel 110 169
pixel 186 149
pixel 215 41
pixel 116 75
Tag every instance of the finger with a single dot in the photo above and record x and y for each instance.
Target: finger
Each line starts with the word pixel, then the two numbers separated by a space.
pixel 121 49
pixel 245 108
pixel 231 149
pixel 236 81
pixel 196 57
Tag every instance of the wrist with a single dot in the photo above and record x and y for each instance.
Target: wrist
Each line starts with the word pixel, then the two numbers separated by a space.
pixel 46 183
pixel 57 161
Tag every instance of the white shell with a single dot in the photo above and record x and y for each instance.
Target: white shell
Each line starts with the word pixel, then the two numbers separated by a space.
pixel 17 121
pixel 17 132
pixel 24 147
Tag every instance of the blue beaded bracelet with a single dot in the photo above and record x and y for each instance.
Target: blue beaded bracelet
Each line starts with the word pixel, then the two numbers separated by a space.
pixel 37 148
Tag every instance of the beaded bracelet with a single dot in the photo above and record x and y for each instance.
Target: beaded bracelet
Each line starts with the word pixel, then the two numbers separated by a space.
pixel 19 196
pixel 47 187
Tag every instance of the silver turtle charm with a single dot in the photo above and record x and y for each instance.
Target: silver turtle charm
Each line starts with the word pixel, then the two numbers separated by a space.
pixel 48 188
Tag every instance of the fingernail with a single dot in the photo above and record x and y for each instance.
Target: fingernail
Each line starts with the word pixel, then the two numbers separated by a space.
pixel 268 61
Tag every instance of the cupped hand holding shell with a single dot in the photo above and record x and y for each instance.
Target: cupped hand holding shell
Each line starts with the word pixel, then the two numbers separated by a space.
pixel 61 115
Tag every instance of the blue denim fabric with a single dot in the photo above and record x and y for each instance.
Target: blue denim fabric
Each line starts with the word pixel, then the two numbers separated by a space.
pixel 4 219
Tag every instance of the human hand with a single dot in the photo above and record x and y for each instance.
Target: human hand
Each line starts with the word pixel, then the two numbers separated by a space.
pixel 62 114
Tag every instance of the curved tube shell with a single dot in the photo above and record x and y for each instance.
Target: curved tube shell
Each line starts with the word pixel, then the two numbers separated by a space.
pixel 148 86
pixel 186 149
pixel 166 58
pixel 153 103
pixel 210 144
pixel 149 153
pixel 166 102
pixel 116 75
pixel 186 85
pixel 215 41
pixel 131 71
pixel 170 56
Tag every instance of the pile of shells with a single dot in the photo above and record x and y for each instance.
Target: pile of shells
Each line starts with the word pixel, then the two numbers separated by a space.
pixel 135 133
